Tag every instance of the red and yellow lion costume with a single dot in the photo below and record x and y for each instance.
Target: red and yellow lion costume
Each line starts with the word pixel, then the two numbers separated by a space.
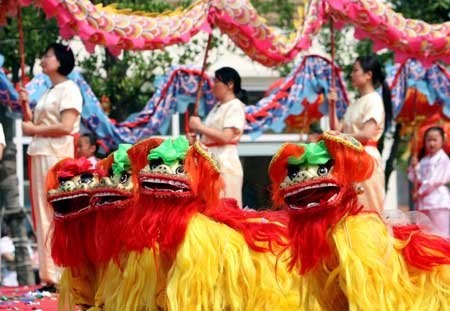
pixel 73 247
pixel 206 254
pixel 349 258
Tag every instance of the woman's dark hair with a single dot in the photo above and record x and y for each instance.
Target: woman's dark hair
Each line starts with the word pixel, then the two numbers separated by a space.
pixel 228 74
pixel 372 64
pixel 65 57
pixel 438 129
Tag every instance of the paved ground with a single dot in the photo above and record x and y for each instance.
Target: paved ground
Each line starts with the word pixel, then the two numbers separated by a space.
pixel 27 298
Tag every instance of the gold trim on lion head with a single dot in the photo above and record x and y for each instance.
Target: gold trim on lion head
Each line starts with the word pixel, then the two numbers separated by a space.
pixel 345 139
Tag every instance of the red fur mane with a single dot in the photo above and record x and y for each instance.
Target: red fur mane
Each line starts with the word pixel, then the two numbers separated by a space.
pixel 72 244
pixel 155 222
pixel 163 221
pixel 423 251
pixel 109 224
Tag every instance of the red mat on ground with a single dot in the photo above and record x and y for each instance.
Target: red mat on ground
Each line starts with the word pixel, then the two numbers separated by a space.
pixel 27 298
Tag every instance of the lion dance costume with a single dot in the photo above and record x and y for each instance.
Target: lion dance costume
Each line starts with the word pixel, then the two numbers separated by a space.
pixel 113 199
pixel 88 228
pixel 208 254
pixel 130 276
pixel 349 258
pixel 164 240
pixel 73 247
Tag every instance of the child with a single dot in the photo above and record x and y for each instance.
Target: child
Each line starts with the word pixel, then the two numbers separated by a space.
pixel 87 147
pixel 433 175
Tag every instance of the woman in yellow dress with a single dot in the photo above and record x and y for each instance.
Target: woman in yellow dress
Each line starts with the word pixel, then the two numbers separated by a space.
pixel 366 119
pixel 55 119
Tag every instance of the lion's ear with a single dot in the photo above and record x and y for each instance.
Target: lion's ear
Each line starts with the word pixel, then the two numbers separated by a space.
pixel 204 174
pixel 351 161
pixel 104 165
pixel 52 181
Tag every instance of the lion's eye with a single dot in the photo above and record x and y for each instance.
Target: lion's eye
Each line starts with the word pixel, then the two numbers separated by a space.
pixel 180 170
pixel 124 177
pixel 322 170
pixel 293 171
pixel 86 178
pixel 63 180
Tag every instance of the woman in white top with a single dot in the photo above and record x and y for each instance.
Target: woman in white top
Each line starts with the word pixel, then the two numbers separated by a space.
pixel 223 128
pixel 56 118
pixel 366 119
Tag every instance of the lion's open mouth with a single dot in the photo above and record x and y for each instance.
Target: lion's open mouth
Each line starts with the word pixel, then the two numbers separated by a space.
pixel 70 205
pixel 109 198
pixel 164 185
pixel 313 194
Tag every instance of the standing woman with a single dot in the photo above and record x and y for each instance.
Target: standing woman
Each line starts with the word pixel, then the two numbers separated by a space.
pixel 223 128
pixel 56 118
pixel 366 119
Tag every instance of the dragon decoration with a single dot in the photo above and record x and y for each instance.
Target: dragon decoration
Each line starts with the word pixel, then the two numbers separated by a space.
pixel 421 99
pixel 419 92
pixel 122 29
pixel 306 84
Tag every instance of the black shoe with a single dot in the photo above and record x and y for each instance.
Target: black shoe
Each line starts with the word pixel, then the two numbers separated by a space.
pixel 51 288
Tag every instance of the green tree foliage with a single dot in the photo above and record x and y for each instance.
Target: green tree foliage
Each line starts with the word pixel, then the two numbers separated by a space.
pixel 431 11
pixel 125 81
pixel 282 10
